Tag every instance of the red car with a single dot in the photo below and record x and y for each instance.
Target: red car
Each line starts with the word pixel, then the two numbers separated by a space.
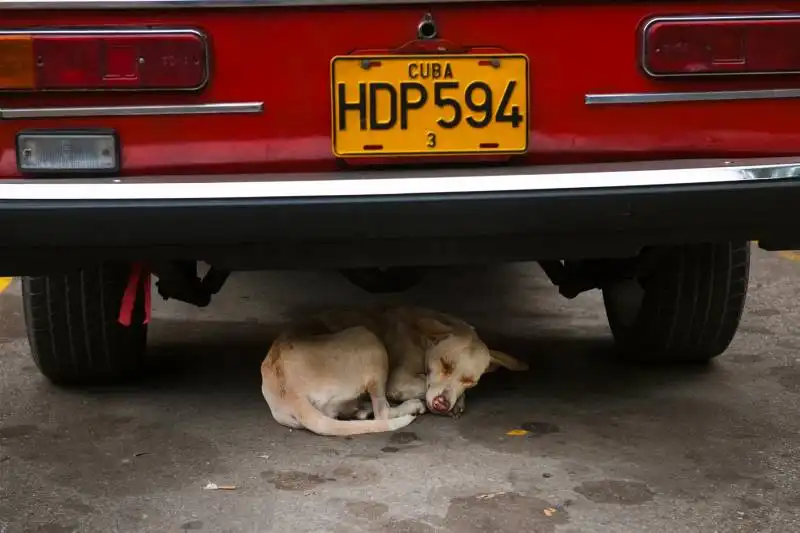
pixel 635 147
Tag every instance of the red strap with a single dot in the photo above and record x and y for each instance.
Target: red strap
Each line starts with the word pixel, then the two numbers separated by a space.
pixel 129 297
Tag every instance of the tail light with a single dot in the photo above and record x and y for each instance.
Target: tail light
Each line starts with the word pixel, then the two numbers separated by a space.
pixel 721 46
pixel 126 60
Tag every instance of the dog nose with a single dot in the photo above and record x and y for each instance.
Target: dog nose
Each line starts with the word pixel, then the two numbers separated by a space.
pixel 440 404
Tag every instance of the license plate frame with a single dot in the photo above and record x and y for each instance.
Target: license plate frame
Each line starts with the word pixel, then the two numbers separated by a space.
pixel 463 139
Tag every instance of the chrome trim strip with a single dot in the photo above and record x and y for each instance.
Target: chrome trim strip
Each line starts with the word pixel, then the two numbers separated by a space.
pixel 706 96
pixel 400 183
pixel 104 30
pixel 133 110
pixel 205 4
pixel 708 18
pixel 108 30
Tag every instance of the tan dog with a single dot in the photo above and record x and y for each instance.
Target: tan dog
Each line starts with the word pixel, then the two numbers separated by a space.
pixel 312 375
pixel 313 378
pixel 437 357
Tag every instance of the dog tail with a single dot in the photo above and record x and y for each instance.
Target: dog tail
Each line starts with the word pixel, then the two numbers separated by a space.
pixel 317 422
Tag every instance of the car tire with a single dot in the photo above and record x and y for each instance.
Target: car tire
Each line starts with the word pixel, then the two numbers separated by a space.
pixel 72 327
pixel 686 308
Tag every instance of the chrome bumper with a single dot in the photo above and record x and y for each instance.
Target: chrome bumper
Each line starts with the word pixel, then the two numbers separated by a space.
pixel 381 183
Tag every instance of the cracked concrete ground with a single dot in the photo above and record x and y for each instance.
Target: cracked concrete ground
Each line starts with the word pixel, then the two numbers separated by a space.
pixel 607 448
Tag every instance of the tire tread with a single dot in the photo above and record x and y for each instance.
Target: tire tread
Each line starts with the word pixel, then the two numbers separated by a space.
pixel 72 328
pixel 692 304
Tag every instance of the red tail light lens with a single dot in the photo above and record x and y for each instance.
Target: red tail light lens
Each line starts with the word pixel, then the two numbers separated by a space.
pixel 720 46
pixel 68 62
pixel 108 60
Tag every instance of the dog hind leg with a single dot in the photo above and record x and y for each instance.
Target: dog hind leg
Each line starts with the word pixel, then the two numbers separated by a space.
pixel 380 405
pixel 364 410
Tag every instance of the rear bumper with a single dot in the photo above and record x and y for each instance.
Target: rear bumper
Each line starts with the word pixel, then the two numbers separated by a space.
pixel 399 217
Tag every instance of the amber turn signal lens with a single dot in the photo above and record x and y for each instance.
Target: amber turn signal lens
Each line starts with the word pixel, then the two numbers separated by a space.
pixel 17 64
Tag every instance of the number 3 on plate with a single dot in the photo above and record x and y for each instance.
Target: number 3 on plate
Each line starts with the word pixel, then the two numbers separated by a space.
pixel 431 140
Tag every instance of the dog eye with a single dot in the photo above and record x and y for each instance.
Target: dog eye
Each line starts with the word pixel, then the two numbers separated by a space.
pixel 468 382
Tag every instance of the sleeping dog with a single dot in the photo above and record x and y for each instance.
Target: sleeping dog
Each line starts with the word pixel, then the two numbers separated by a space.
pixel 331 374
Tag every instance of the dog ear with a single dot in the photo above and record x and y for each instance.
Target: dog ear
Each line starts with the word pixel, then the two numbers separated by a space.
pixel 433 331
pixel 499 359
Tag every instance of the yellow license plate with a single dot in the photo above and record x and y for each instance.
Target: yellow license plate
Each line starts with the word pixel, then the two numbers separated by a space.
pixel 429 105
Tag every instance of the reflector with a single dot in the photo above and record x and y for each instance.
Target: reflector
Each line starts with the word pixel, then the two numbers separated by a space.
pixel 64 152
pixel 721 46
pixel 17 69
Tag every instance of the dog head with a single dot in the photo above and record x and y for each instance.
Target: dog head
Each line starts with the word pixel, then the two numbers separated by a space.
pixel 456 358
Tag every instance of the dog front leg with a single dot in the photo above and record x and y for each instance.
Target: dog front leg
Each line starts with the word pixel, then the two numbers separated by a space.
pixel 409 407
pixel 414 406
pixel 460 406
pixel 404 387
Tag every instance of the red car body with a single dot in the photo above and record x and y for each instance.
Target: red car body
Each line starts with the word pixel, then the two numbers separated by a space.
pixel 281 55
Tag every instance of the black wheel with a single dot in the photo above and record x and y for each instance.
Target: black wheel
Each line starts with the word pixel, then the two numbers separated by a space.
pixel 72 326
pixel 686 308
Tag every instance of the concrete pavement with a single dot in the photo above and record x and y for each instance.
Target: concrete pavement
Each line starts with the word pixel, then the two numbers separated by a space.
pixel 580 443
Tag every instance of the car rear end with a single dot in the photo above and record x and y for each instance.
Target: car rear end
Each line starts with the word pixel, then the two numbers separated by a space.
pixel 262 134
pixel 219 100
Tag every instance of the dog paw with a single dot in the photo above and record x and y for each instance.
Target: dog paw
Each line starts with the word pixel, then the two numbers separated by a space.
pixel 459 407
pixel 417 407
pixel 363 414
